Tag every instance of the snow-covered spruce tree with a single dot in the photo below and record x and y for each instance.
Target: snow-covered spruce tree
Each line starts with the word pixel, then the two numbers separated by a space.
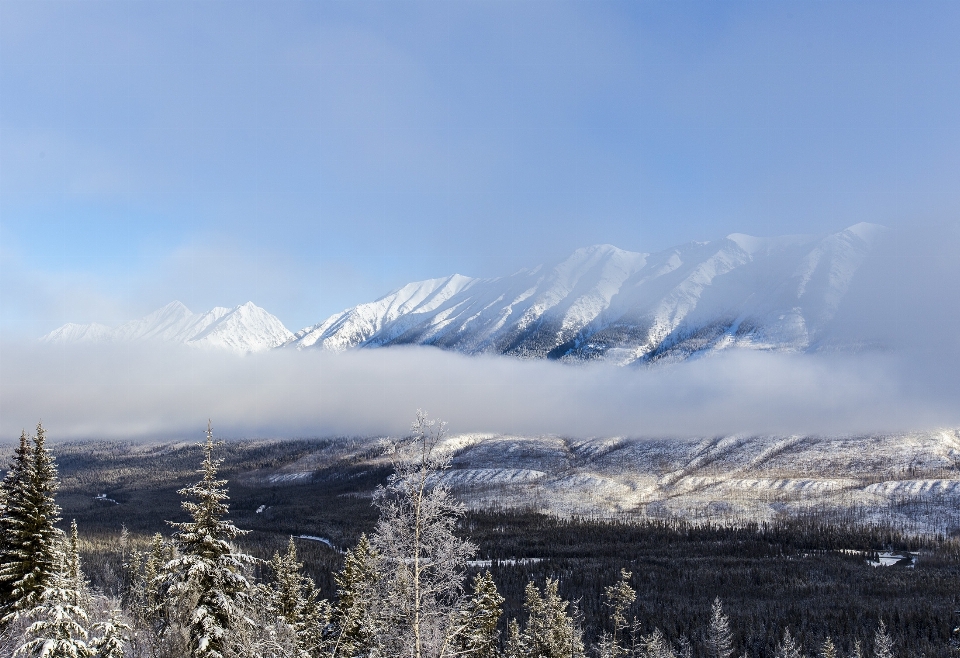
pixel 153 609
pixel 827 649
pixel 112 637
pixel 516 644
pixel 788 647
pixel 206 582
pixel 857 650
pixel 656 646
pixel 355 622
pixel 476 633
pixel 552 630
pixel 719 637
pixel 144 598
pixel 423 562
pixel 618 598
pixel 13 519
pixel 74 570
pixel 883 643
pixel 294 598
pixel 34 550
pixel 58 628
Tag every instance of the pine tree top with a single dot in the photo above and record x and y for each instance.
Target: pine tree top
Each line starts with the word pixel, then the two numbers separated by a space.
pixel 209 534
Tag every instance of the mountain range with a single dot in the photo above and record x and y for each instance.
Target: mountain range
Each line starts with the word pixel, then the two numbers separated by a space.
pixel 601 302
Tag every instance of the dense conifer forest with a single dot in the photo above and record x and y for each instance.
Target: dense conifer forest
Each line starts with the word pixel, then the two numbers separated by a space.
pixel 161 560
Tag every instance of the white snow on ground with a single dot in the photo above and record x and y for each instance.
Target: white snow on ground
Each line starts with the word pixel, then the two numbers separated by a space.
pixel 288 477
pixel 322 540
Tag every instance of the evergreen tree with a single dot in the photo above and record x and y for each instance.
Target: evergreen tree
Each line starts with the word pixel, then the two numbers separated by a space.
pixel 476 635
pixel 618 598
pixel 656 646
pixel 13 520
pixel 58 618
pixel 207 582
pixel 355 624
pixel 883 643
pixel 34 550
pixel 153 585
pixel 294 598
pixel 516 645
pixel 719 637
pixel 423 562
pixel 857 650
pixel 112 637
pixel 828 650
pixel 551 630
pixel 74 570
pixel 788 647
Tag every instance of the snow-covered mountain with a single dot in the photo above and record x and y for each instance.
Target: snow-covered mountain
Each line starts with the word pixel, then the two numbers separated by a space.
pixel 246 328
pixel 600 303
pixel 605 303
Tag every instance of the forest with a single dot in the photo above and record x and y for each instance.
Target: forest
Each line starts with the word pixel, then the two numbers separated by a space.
pixel 367 562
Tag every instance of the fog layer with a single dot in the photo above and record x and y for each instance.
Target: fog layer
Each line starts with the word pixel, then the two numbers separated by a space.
pixel 169 391
pixel 887 363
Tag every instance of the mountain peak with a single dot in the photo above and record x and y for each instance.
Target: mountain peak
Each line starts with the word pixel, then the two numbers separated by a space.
pixel 245 328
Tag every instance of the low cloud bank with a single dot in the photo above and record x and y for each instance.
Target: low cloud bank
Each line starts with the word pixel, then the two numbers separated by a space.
pixel 902 312
pixel 166 391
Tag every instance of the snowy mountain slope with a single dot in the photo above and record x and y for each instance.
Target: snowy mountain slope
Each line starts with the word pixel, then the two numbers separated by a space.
pixel 908 479
pixel 606 303
pixel 246 328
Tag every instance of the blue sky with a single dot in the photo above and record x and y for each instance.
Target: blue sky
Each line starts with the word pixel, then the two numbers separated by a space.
pixel 310 156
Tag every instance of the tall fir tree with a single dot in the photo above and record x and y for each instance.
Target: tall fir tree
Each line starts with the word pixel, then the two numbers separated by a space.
pixel 34 550
pixel 74 569
pixel 476 634
pixel 883 643
pixel 294 598
pixel 617 598
pixel 719 637
pixel 13 520
pixel 551 630
pixel 355 623
pixel 857 650
pixel 788 647
pixel 828 649
pixel 59 618
pixel 657 646
pixel 207 581
pixel 516 643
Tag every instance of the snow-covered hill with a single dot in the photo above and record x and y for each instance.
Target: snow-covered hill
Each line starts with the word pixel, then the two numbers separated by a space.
pixel 911 480
pixel 606 303
pixel 246 328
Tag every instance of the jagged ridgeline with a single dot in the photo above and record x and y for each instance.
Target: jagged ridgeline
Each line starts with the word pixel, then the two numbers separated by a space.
pixel 600 303
pixel 375 555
